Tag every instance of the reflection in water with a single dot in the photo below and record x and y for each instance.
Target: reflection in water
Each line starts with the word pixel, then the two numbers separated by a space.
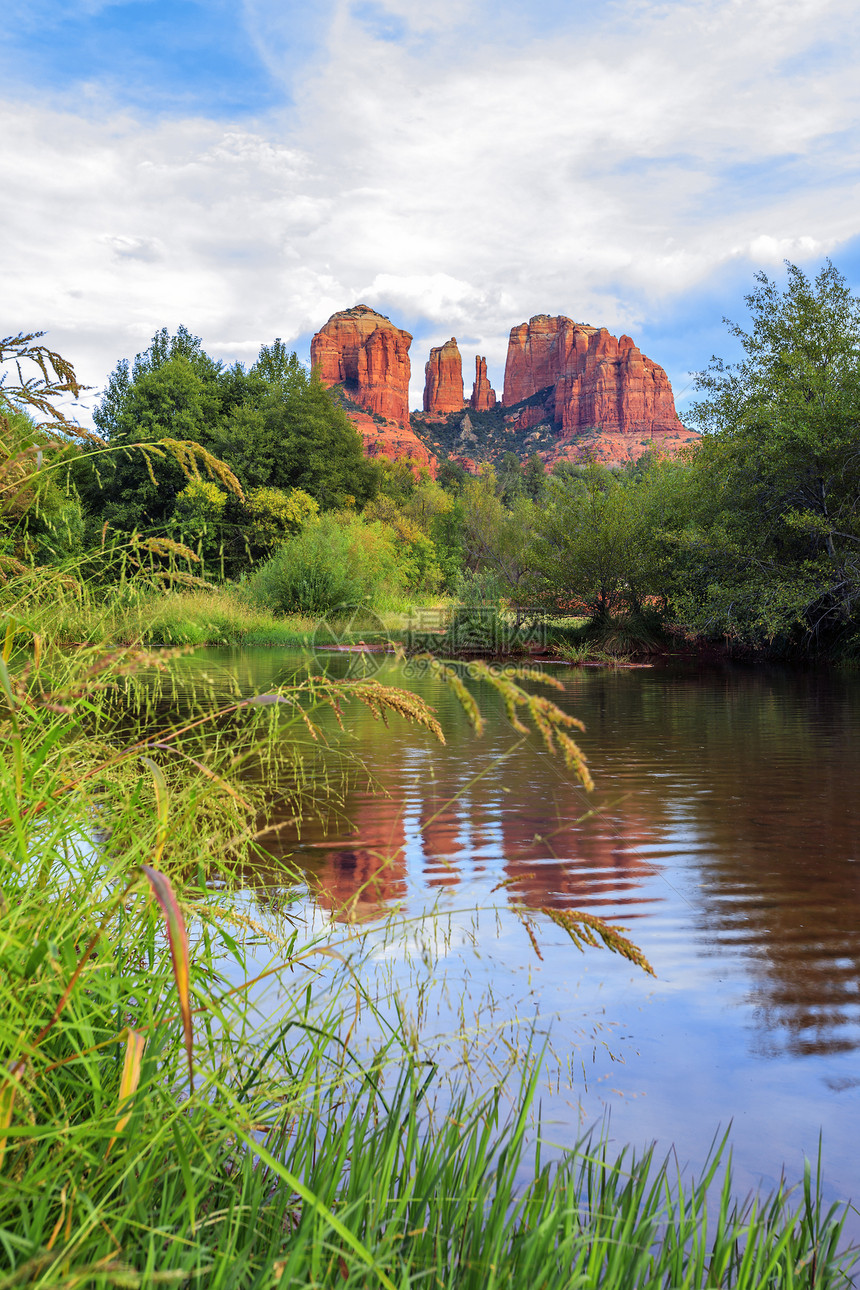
pixel 574 857
pixel 763 769
pixel 728 800
pixel 731 794
pixel 586 860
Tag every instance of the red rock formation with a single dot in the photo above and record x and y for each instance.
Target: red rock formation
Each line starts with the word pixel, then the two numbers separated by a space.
pixel 592 379
pixel 468 463
pixel 537 353
pixel 483 395
pixel 443 380
pixel 619 449
pixel 365 353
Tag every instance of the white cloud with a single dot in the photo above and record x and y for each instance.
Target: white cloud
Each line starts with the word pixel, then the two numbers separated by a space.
pixel 596 170
pixel 773 250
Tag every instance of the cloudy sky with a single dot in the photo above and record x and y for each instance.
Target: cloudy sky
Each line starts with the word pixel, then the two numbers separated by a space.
pixel 248 168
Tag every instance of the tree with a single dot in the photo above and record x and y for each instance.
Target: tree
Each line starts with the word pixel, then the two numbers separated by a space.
pixel 534 478
pixel 134 487
pixel 509 478
pixel 593 550
pixel 277 515
pixel 199 517
pixel 499 538
pixel 772 549
pixel 286 431
pixel 451 475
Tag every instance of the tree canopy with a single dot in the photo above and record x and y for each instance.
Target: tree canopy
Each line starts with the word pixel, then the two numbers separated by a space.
pixel 274 425
pixel 772 547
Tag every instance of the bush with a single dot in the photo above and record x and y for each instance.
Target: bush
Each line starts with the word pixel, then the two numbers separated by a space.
pixel 342 560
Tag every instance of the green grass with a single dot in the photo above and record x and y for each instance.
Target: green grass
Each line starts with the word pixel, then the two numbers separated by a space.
pixel 219 617
pixel 274 1149
pixel 70 612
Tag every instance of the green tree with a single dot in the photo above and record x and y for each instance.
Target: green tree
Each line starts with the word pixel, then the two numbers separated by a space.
pixel 593 549
pixel 451 476
pixel 499 538
pixel 286 431
pixel 509 478
pixel 40 513
pixel 277 515
pixel 534 478
pixel 342 560
pixel 771 552
pixel 199 517
pixel 274 425
pixel 171 391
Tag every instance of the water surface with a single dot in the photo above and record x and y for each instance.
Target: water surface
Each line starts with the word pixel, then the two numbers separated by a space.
pixel 723 833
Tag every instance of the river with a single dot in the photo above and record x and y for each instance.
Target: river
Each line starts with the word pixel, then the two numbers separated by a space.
pixel 723 832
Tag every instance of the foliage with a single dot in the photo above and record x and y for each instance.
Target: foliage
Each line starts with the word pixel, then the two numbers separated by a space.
pixel 277 515
pixel 199 515
pixel 451 475
pixel 521 479
pixel 342 560
pixel 593 548
pixel 771 552
pixel 66 606
pixel 498 538
pixel 171 392
pixel 275 426
pixel 411 524
pixel 285 430
pixel 398 479
pixel 40 515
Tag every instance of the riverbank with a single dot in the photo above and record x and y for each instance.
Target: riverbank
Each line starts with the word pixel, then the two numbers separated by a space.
pixel 71 613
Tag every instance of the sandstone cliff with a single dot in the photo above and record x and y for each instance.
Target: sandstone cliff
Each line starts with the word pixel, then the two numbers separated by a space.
pixel 571 391
pixel 443 380
pixel 362 351
pixel 365 353
pixel 591 379
pixel 483 395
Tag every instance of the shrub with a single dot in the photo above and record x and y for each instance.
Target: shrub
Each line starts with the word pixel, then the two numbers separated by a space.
pixel 277 513
pixel 342 560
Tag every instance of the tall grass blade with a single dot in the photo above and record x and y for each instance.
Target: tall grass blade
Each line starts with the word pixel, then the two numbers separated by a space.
pixel 129 1079
pixel 7 1103
pixel 310 1198
pixel 178 939
pixel 162 806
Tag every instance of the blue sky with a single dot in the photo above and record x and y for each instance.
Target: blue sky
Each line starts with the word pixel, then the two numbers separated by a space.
pixel 250 168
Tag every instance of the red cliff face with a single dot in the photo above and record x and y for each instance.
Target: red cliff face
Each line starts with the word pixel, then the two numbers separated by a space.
pixel 443 380
pixel 592 379
pixel 537 355
pixel 483 395
pixel 365 353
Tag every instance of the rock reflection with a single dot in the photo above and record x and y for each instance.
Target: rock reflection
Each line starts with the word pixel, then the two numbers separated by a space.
pixel 546 861
pixel 358 873
pixel 590 861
